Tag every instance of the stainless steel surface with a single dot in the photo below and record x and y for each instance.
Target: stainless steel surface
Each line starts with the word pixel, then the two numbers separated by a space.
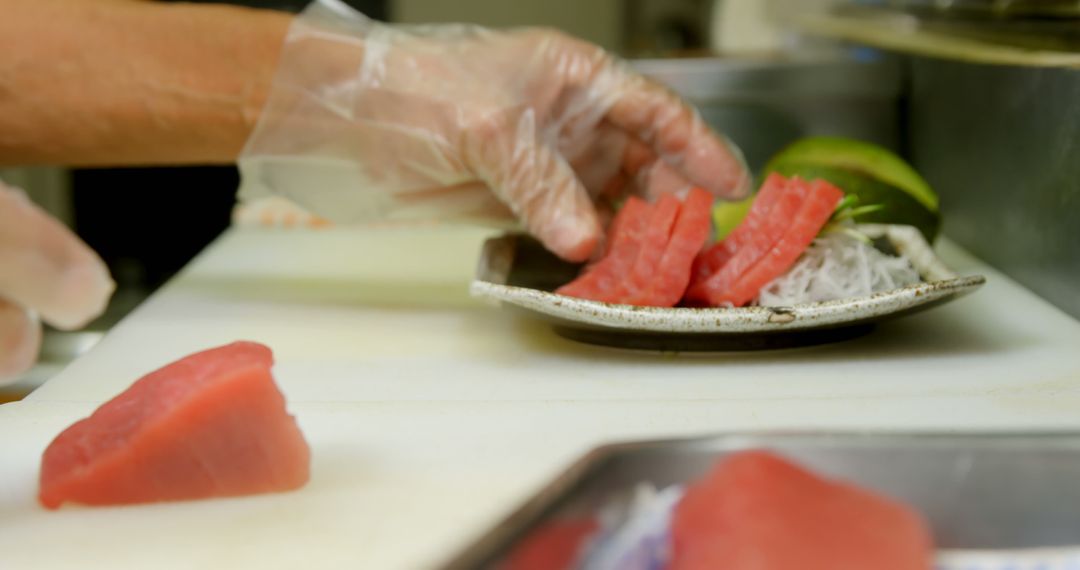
pixel 977 491
pixel 991 8
pixel 763 105
pixel 1001 145
pixel 1041 25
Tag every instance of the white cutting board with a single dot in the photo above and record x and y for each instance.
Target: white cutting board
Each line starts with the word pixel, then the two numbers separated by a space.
pixel 431 416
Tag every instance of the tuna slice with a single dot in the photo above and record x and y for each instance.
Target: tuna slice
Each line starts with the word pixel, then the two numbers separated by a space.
pixel 749 232
pixel 767 248
pixel 756 511
pixel 653 247
pixel 688 236
pixel 212 424
pixel 602 281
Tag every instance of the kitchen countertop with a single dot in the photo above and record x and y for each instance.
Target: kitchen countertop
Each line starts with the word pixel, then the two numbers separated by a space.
pixel 431 416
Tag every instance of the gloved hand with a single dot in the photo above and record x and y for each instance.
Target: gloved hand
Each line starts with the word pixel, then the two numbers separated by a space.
pixel 367 120
pixel 44 270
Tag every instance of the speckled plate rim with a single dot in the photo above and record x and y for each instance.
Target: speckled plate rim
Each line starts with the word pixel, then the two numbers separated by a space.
pixel 941 285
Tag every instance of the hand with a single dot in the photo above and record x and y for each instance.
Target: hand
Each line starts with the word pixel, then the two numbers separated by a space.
pixel 368 120
pixel 44 270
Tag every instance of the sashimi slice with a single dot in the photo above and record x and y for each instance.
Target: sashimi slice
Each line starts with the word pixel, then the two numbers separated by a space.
pixel 555 546
pixel 212 424
pixel 710 261
pixel 688 236
pixel 814 214
pixel 709 290
pixel 654 241
pixel 757 511
pixel 632 209
pixel 601 281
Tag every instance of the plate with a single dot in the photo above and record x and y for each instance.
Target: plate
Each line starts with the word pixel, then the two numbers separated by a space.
pixel 515 271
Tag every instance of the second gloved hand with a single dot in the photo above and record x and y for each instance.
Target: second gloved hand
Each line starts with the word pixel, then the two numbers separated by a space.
pixel 46 272
pixel 368 121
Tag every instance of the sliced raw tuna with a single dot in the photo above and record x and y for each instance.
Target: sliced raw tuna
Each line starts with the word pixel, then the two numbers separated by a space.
pixel 815 212
pixel 555 546
pixel 689 235
pixel 602 281
pixel 760 241
pixel 654 241
pixel 756 511
pixel 627 216
pixel 653 247
pixel 212 424
pixel 710 261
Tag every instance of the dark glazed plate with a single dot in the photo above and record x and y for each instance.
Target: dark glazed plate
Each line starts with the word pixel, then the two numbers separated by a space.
pixel 516 272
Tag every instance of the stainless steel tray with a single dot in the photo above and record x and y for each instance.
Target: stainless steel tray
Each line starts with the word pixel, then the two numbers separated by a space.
pixel 979 492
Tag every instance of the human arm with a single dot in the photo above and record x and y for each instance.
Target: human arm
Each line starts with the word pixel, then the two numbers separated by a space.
pixel 124 82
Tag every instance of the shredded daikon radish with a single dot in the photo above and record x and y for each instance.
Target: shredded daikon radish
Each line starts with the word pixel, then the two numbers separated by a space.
pixel 838 266
pixel 636 536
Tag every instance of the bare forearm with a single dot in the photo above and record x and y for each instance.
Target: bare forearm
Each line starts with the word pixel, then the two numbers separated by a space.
pixel 122 82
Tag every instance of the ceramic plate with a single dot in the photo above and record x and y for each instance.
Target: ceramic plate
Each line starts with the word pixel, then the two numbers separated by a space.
pixel 517 272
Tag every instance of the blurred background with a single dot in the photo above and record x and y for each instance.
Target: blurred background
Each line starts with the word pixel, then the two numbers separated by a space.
pixel 983 96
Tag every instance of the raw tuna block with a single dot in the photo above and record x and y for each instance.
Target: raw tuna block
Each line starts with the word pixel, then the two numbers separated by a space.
pixel 212 424
pixel 757 511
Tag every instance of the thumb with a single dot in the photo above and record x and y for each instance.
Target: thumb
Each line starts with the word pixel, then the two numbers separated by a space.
pixel 541 188
pixel 45 267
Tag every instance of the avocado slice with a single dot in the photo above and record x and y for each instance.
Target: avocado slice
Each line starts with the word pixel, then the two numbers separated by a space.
pixel 870 160
pixel 727 215
pixel 898 206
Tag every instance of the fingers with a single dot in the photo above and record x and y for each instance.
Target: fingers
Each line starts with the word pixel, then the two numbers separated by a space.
pixel 43 266
pixel 20 340
pixel 598 157
pixel 674 131
pixel 660 179
pixel 678 148
pixel 543 191
pixel 652 177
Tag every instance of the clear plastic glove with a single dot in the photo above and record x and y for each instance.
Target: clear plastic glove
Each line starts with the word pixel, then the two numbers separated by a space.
pixel 44 270
pixel 367 120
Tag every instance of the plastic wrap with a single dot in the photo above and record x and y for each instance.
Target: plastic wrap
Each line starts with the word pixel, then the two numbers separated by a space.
pixel 372 121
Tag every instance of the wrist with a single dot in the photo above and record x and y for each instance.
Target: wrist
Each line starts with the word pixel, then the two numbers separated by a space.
pixel 230 59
